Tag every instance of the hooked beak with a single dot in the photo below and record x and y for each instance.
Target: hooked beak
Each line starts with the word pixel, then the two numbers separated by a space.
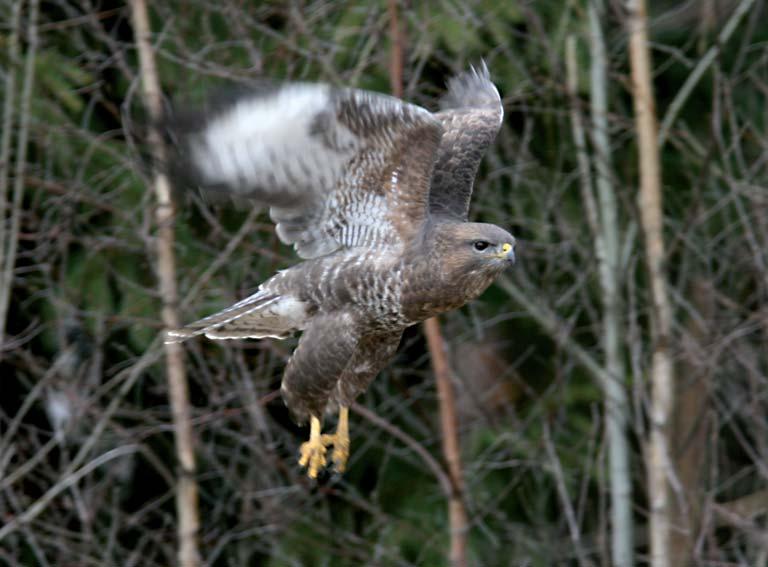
pixel 508 252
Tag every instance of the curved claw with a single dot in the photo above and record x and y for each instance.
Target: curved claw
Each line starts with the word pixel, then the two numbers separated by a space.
pixel 312 457
pixel 340 441
pixel 313 451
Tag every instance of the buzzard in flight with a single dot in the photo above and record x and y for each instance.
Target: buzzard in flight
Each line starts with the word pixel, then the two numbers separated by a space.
pixel 373 193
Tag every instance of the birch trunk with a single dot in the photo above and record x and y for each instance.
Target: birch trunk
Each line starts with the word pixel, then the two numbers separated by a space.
pixel 616 404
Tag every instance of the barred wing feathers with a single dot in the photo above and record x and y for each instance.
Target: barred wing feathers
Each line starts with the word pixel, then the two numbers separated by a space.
pixel 338 167
pixel 471 116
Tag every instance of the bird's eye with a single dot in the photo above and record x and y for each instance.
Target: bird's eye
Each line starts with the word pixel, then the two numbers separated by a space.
pixel 480 245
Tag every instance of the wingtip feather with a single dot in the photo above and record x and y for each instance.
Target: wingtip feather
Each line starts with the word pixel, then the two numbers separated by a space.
pixel 472 89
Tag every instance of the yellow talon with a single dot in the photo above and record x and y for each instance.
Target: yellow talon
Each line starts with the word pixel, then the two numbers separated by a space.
pixel 340 441
pixel 313 451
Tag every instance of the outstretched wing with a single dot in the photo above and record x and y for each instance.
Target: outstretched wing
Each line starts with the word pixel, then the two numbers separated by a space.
pixel 338 167
pixel 471 118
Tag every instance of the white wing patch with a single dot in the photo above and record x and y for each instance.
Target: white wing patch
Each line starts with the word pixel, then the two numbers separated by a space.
pixel 267 142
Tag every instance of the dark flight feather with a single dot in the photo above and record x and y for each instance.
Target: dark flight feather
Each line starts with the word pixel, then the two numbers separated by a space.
pixel 471 116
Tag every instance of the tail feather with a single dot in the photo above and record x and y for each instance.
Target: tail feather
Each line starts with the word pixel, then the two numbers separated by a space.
pixel 256 316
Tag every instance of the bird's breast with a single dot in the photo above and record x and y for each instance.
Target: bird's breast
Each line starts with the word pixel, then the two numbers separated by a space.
pixel 426 295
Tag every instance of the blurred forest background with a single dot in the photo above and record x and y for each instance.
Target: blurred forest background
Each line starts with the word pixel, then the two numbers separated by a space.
pixel 551 368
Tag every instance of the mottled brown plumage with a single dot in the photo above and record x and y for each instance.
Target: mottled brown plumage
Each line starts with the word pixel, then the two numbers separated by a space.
pixel 374 194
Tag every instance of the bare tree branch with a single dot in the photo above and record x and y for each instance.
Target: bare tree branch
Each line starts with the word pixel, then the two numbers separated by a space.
pixel 418 448
pixel 701 67
pixel 565 500
pixel 31 512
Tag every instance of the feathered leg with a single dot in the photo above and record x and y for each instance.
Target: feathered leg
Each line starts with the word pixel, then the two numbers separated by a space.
pixel 312 373
pixel 371 354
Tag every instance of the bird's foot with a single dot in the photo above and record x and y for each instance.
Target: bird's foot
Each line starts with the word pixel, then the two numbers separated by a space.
pixel 340 454
pixel 313 457
pixel 340 441
pixel 313 451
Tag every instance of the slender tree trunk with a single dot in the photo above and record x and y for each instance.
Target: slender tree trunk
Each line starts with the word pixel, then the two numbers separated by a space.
pixel 616 404
pixel 457 513
pixel 602 218
pixel 658 462
pixel 186 490
pixel 9 239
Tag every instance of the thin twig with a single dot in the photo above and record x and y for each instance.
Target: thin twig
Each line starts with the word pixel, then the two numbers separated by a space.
pixel 552 324
pixel 245 229
pixel 565 499
pixel 701 67
pixel 70 479
pixel 418 448
pixel 132 375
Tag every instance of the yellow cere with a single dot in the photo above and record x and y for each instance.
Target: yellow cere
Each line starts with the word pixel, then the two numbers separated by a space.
pixel 506 247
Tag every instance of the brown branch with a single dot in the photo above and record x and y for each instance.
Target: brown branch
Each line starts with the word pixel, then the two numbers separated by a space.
pixel 396 50
pixel 451 448
pixel 658 461
pixel 743 509
pixel 186 490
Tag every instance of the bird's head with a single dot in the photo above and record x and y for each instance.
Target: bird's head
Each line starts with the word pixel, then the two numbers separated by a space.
pixel 469 248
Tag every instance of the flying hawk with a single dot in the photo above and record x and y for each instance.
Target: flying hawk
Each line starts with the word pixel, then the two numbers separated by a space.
pixel 373 193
